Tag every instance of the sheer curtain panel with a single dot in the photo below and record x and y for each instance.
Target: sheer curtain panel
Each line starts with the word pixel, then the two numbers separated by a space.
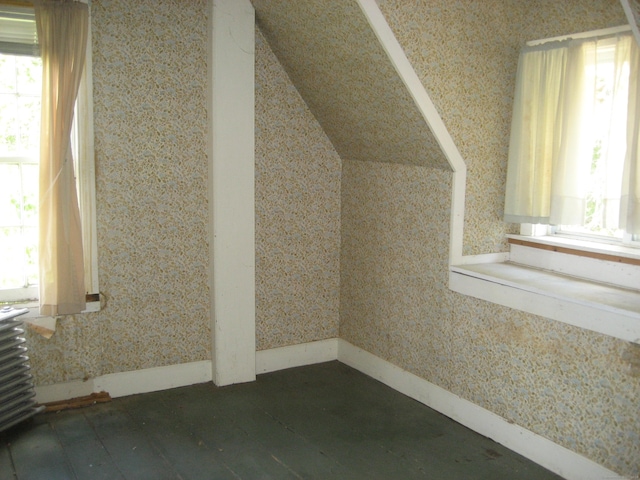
pixel 62 34
pixel 564 90
pixel 630 204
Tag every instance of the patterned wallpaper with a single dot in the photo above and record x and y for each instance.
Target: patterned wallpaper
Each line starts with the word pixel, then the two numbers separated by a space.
pixel 575 387
pixel 150 123
pixel 149 67
pixel 344 75
pixel 464 54
pixel 297 214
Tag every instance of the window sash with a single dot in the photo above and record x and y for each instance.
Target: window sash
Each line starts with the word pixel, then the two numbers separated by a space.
pixel 18 31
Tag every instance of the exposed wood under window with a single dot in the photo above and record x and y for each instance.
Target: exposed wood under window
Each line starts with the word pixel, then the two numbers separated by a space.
pixel 575 251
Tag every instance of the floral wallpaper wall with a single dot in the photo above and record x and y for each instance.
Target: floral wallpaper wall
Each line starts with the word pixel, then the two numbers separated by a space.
pixel 150 64
pixel 369 242
pixel 149 71
pixel 297 214
pixel 578 388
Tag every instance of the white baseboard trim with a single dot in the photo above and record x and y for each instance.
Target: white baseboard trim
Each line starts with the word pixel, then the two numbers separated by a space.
pixel 63 391
pixel 129 383
pixel 296 355
pixel 536 448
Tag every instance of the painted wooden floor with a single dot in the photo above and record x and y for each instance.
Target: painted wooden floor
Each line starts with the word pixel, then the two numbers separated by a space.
pixel 324 421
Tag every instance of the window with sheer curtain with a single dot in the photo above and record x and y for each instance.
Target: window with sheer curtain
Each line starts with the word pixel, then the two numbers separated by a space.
pixel 573 155
pixel 62 163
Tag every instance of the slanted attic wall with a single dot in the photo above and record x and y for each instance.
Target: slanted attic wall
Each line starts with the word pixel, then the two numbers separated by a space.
pixel 575 387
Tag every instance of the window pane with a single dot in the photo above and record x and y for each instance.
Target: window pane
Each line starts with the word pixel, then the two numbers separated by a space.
pixel 29 127
pixel 8 123
pixel 30 195
pixel 10 196
pixel 7 74
pixel 20 85
pixel 30 239
pixel 29 75
pixel 12 256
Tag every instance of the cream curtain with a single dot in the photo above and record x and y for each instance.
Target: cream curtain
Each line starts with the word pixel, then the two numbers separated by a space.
pixel 62 34
pixel 558 112
pixel 630 204
pixel 619 140
pixel 535 139
pixel 569 171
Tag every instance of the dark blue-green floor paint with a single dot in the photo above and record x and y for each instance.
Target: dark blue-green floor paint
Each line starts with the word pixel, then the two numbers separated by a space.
pixel 324 421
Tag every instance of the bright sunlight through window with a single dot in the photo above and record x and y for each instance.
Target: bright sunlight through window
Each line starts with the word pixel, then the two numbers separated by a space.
pixel 20 87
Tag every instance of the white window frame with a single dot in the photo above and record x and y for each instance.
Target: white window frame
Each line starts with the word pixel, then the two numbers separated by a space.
pixel 85 178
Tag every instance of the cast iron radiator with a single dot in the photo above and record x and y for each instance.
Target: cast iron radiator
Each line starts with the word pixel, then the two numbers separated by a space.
pixel 17 401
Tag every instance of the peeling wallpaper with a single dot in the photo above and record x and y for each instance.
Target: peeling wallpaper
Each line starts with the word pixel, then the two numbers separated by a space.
pixel 335 61
pixel 149 71
pixel 578 388
pixel 297 214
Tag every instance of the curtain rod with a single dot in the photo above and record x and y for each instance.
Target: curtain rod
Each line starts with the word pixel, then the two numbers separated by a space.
pixel 16 3
pixel 29 3
pixel 593 33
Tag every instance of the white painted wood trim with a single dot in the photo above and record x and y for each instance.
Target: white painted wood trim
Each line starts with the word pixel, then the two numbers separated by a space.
pixel 595 269
pixel 456 222
pixel 87 169
pixel 296 355
pixel 63 391
pixel 589 34
pixel 483 258
pixel 544 452
pixel 231 190
pixel 633 22
pixel 428 110
pixel 608 322
pixel 129 383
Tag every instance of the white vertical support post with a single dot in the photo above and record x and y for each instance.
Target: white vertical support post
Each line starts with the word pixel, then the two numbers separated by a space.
pixel 231 190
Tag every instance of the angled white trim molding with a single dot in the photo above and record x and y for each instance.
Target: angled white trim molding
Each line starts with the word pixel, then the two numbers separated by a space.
pixel 428 110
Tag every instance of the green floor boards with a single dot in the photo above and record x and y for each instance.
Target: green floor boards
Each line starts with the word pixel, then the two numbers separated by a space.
pixel 324 421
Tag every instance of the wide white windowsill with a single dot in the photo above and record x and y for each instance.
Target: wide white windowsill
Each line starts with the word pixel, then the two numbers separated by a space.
pixel 34 309
pixel 591 293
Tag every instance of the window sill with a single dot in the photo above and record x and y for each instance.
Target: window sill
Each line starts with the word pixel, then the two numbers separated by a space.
pixel 598 295
pixel 34 312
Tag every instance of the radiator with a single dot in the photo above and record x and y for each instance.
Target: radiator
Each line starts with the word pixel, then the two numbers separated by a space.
pixel 17 401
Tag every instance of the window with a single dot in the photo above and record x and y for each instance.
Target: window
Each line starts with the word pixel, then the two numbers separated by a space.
pixel 573 152
pixel 20 79
pixel 20 90
pixel 554 179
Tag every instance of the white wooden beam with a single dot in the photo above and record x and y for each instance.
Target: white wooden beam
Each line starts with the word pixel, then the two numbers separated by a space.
pixel 231 190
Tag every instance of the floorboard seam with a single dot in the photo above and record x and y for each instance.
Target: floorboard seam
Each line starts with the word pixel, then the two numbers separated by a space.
pixel 64 450
pixel 99 437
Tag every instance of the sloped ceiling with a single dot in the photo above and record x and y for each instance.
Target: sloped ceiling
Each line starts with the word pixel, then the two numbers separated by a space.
pixel 342 72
